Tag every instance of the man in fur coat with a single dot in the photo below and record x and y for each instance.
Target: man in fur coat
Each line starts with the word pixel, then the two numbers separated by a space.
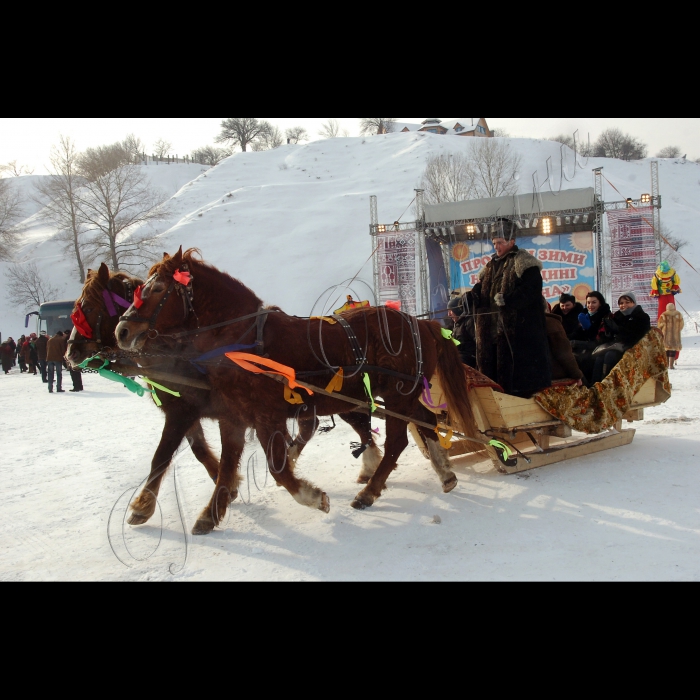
pixel 671 325
pixel 511 329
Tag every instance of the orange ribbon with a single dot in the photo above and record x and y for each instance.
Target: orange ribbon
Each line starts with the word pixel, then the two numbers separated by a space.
pixel 336 383
pixel 244 361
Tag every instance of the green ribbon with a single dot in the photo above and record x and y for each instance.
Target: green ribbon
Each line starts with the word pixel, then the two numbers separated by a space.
pixel 447 335
pixel 368 388
pixel 130 384
pixel 156 400
pixel 500 446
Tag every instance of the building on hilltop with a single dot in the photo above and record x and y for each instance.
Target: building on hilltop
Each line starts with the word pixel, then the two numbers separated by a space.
pixel 456 127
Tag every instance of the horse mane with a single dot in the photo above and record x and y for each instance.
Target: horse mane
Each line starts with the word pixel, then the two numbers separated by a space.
pixel 193 259
pixel 93 288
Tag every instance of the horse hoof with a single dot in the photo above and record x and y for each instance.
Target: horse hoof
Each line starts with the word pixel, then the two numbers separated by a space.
pixel 136 519
pixel 325 504
pixel 450 485
pixel 358 505
pixel 202 527
pixel 363 479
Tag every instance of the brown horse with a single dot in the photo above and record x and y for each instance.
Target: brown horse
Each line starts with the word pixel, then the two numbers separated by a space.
pixel 102 320
pixel 186 298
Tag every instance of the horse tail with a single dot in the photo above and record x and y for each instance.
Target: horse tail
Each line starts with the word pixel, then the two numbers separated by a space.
pixel 453 381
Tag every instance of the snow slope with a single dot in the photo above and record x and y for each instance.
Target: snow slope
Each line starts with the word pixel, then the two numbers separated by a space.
pixel 292 222
pixel 626 514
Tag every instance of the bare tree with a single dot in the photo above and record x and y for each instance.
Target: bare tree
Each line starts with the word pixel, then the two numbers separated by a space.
pixel 210 155
pixel 28 288
pixel 135 148
pixel 241 131
pixel 494 166
pixel 162 148
pixel 112 200
pixel 58 194
pixel 297 134
pixel 269 139
pixel 378 125
pixel 669 152
pixel 10 216
pixel 448 178
pixel 671 246
pixel 575 144
pixel 330 129
pixel 613 143
pixel 15 170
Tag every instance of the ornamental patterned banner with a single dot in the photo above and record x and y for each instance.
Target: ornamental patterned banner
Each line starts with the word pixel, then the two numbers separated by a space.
pixel 568 261
pixel 633 256
pixel 397 269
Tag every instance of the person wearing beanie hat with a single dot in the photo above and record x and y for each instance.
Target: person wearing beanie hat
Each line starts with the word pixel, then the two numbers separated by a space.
pixel 568 309
pixel 511 331
pixel 665 285
pixel 626 328
pixel 460 311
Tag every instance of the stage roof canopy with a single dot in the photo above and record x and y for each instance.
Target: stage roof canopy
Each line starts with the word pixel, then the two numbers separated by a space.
pixel 525 205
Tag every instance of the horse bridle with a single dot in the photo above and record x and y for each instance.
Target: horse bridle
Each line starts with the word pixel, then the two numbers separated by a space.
pixel 112 300
pixel 185 291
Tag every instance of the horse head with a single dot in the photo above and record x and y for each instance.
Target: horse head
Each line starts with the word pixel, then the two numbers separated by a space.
pixel 96 314
pixel 163 302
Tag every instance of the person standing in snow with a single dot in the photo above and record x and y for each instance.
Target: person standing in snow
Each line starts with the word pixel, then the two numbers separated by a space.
pixel 671 324
pixel 20 355
pixel 7 357
pixel 57 348
pixel 41 343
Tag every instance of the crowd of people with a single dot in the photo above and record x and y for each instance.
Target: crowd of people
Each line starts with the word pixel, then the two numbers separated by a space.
pixel 41 355
pixel 508 332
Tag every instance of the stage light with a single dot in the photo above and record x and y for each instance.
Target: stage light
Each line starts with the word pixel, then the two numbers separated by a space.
pixel 519 225
pixel 629 202
pixel 546 226
pixel 576 219
pixel 535 222
pixel 558 220
pixel 568 220
pixel 585 218
pixel 381 228
pixel 646 199
pixel 527 223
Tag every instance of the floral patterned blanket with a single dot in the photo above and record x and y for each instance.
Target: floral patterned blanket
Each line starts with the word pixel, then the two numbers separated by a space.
pixel 597 409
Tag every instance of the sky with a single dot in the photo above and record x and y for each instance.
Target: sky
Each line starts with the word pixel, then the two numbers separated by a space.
pixel 29 140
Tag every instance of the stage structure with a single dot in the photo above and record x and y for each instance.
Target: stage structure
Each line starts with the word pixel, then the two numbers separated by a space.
pixel 422 263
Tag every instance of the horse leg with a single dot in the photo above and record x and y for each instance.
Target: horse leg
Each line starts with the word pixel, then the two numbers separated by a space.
pixel 282 470
pixel 228 480
pixel 201 450
pixel 437 454
pixel 396 443
pixel 177 424
pixel 372 456
pixel 307 429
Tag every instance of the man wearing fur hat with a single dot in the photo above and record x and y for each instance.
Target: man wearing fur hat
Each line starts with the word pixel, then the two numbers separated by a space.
pixel 511 329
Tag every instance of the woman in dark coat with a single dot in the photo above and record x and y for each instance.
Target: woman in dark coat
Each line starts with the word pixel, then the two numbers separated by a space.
pixel 627 327
pixel 7 356
pixel 568 309
pixel 591 332
pixel 511 333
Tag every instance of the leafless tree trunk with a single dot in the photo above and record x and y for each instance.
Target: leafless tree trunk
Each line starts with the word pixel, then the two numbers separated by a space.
pixel 134 148
pixel 28 288
pixel 297 134
pixel 613 143
pixel 162 148
pixel 112 200
pixel 378 125
pixel 669 152
pixel 448 178
pixel 241 131
pixel 270 139
pixel 10 215
pixel 494 166
pixel 330 129
pixel 58 194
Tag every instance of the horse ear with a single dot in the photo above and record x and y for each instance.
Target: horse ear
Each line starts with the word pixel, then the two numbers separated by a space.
pixel 103 274
pixel 165 257
pixel 177 258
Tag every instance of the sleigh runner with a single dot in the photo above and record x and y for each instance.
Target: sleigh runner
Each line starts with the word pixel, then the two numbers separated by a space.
pixel 540 431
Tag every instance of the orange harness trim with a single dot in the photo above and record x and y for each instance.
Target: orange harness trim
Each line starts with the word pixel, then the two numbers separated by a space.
pixel 245 361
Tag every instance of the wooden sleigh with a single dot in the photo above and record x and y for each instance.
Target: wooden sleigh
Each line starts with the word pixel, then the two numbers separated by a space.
pixel 537 436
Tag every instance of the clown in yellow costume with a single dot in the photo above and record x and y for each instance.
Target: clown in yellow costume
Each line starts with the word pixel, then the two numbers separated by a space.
pixel 665 285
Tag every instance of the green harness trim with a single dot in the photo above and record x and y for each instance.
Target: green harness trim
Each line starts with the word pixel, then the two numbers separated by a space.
pixel 447 335
pixel 368 389
pixel 156 400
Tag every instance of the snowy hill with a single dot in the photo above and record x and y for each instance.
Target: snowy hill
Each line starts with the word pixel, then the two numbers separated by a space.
pixel 294 221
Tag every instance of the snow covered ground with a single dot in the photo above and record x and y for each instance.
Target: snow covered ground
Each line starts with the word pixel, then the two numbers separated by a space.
pixel 71 461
